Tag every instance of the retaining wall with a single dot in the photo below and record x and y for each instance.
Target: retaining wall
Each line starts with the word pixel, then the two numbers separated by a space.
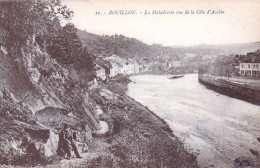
pixel 240 91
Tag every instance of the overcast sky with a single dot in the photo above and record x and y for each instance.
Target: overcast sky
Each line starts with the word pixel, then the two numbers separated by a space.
pixel 240 22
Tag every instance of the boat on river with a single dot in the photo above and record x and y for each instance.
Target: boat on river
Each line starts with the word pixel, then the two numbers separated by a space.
pixel 176 76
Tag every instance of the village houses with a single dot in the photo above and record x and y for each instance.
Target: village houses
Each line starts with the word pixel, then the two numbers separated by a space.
pixel 250 69
pixel 115 65
pixel 129 67
pixel 251 66
pixel 100 72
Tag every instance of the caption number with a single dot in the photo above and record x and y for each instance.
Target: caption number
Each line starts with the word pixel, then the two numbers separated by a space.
pixel 98 13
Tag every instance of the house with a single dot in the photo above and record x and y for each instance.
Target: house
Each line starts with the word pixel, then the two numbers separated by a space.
pixel 116 69
pixel 129 67
pixel 250 67
pixel 118 66
pixel 100 72
pixel 176 64
pixel 137 66
pixel 113 69
pixel 107 66
pixel 145 65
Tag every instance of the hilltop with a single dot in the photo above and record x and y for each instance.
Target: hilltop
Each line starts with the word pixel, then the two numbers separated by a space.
pixel 133 48
pixel 226 49
pixel 117 44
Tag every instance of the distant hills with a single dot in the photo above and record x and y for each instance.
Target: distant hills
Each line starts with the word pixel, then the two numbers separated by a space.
pixel 242 48
pixel 132 48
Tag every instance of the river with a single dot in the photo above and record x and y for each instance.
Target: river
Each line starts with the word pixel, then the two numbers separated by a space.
pixel 217 127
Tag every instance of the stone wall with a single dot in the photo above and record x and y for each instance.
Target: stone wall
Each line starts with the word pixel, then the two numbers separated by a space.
pixel 239 91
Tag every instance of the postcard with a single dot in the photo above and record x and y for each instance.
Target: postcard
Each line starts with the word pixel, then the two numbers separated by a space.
pixel 146 83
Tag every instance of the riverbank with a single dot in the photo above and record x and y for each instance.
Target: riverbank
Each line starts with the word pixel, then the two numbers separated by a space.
pixel 137 137
pixel 152 142
pixel 221 129
pixel 237 90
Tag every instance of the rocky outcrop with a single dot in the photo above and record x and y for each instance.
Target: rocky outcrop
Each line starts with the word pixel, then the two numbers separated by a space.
pixel 20 134
pixel 38 95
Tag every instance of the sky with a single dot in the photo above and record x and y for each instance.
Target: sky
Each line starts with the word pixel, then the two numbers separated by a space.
pixel 240 22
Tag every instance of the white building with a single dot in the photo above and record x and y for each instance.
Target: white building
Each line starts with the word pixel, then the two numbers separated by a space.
pixel 176 64
pixel 123 66
pixel 116 69
pixel 100 72
pixel 250 69
pixel 129 67
pixel 137 67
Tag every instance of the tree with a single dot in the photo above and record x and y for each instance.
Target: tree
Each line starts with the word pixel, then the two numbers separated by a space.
pixel 39 20
pixel 21 20
pixel 85 65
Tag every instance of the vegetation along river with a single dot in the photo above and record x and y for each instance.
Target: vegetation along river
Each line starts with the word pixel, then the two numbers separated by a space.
pixel 217 127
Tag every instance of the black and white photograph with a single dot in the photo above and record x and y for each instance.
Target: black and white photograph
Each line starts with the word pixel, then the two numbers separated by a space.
pixel 129 84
